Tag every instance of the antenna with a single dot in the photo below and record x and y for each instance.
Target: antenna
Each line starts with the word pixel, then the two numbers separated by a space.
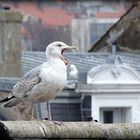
pixel 111 41
pixel 113 47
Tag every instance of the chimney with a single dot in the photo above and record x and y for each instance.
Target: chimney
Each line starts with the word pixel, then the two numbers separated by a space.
pixel 10 43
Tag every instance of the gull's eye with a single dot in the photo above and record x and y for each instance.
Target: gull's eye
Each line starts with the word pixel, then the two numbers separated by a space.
pixel 59 45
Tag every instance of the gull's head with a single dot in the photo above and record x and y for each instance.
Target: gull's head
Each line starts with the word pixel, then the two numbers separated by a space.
pixel 56 49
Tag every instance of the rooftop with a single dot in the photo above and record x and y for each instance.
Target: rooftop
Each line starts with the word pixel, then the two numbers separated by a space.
pixel 83 61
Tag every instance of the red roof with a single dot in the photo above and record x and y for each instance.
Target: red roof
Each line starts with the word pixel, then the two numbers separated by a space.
pixel 56 17
pixel 50 16
pixel 109 14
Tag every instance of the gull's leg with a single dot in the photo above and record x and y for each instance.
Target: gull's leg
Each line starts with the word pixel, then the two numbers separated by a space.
pixel 49 114
pixel 49 111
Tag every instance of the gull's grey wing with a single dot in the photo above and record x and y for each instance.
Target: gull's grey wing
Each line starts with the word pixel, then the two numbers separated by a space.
pixel 31 74
pixel 27 82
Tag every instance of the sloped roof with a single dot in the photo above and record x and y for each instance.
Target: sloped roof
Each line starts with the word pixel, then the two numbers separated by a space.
pixel 128 40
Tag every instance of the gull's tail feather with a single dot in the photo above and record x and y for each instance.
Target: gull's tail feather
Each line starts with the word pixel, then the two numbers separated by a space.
pixel 6 99
pixel 10 102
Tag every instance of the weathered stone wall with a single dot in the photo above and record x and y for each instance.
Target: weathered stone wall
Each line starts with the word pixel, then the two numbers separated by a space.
pixel 10 43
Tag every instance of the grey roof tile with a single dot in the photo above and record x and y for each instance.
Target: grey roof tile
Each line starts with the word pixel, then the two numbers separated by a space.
pixel 7 83
pixel 83 61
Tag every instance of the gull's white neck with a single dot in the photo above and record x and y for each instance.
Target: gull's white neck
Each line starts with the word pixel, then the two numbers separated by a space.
pixel 56 61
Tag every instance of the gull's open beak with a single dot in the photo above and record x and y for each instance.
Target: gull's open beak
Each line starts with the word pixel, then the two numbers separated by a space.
pixel 72 48
pixel 67 48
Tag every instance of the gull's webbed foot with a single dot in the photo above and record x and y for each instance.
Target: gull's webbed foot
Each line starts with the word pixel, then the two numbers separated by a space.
pixel 55 122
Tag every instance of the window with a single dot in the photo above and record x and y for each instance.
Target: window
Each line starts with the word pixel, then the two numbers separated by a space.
pixel 108 116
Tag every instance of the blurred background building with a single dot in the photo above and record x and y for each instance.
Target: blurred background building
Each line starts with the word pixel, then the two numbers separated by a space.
pixel 79 22
pixel 106 84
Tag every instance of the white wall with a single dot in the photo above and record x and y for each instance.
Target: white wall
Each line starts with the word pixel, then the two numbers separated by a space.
pixel 130 102
pixel 125 101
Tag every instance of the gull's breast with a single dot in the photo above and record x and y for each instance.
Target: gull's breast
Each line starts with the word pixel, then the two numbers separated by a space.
pixel 53 82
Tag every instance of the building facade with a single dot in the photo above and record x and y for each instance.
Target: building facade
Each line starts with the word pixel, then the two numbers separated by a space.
pixel 115 93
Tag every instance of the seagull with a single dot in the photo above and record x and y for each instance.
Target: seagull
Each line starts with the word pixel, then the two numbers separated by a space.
pixel 43 82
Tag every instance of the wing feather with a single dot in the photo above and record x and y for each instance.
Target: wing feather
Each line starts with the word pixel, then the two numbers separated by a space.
pixel 27 82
